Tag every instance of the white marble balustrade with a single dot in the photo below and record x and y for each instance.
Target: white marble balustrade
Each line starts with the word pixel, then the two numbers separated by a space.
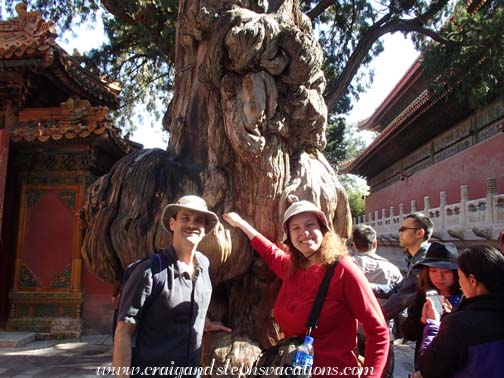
pixel 477 219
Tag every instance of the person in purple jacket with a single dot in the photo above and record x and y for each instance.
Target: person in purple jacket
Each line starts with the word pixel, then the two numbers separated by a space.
pixel 500 240
pixel 469 342
pixel 438 275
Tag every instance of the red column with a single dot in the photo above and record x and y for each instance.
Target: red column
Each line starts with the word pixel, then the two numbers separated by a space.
pixel 4 157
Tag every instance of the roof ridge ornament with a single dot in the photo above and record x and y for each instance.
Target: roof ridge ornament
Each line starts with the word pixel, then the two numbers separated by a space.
pixel 33 23
pixel 27 34
pixel 28 43
pixel 75 108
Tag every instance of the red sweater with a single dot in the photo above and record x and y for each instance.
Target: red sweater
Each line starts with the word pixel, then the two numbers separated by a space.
pixel 349 299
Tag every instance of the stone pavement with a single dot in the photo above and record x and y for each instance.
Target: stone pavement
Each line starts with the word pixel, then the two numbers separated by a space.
pixel 403 354
pixel 57 358
pixel 81 357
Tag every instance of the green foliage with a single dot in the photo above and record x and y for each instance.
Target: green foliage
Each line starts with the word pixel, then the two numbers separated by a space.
pixel 341 28
pixel 335 150
pixel 343 141
pixel 140 52
pixel 356 202
pixel 352 28
pixel 357 191
pixel 141 43
pixel 141 57
pixel 471 67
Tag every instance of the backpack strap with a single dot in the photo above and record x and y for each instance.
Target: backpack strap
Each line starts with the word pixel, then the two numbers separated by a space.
pixel 159 274
pixel 159 267
pixel 319 300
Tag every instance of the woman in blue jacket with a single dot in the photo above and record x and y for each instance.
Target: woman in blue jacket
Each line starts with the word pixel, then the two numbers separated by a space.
pixel 470 341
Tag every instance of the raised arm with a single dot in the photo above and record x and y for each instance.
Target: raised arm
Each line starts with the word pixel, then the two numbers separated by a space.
pixel 276 259
pixel 401 298
pixel 235 220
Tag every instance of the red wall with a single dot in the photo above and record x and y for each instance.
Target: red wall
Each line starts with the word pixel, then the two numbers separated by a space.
pixel 97 308
pixel 49 235
pixel 471 167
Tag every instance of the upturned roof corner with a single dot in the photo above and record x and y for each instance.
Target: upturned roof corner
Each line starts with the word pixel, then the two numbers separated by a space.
pixel 28 43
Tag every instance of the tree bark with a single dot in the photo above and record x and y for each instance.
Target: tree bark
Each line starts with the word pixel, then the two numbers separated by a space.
pixel 247 130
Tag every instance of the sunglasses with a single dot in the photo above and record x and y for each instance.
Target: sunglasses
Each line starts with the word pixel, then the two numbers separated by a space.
pixel 402 229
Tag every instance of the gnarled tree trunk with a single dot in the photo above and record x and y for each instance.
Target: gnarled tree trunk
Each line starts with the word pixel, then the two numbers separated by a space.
pixel 247 129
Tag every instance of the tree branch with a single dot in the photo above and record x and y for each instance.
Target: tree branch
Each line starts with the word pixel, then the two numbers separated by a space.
pixel 116 8
pixel 320 8
pixel 431 12
pixel 408 26
pixel 376 31
pixel 140 93
pixel 354 62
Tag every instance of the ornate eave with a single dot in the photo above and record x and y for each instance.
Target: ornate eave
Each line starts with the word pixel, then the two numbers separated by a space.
pixel 473 6
pixel 27 43
pixel 82 82
pixel 26 37
pixel 401 95
pixel 73 122
pixel 412 122
pixel 52 132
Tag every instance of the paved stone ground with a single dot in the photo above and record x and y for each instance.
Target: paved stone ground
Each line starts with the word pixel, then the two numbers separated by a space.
pixel 403 354
pixel 57 358
pixel 81 357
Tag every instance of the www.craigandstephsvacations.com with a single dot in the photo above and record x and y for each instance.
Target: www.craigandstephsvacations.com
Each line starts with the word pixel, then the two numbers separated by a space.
pixel 228 370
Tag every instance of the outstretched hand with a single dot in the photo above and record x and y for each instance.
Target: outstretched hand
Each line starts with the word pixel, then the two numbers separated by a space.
pixel 215 326
pixel 234 219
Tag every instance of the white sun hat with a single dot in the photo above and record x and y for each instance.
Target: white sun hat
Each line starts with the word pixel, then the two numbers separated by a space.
pixel 193 203
pixel 298 208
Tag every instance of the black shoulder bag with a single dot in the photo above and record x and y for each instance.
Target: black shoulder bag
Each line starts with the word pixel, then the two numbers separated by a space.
pixel 282 354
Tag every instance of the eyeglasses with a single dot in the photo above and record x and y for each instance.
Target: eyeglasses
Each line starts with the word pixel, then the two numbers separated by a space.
pixel 402 229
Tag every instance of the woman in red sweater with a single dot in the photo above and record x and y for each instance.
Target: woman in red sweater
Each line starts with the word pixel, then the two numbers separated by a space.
pixel 312 246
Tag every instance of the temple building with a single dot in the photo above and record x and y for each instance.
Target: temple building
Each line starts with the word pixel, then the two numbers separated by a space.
pixel 435 155
pixel 56 138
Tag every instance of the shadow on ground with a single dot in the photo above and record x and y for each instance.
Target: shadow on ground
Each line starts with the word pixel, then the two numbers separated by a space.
pixel 81 358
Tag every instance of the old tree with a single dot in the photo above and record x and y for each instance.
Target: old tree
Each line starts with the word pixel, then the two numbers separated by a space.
pixel 252 93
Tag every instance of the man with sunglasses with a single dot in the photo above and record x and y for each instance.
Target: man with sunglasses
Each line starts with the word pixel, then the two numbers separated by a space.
pixel 414 234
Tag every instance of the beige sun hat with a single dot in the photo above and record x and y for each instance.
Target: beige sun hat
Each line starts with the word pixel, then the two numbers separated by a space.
pixel 193 203
pixel 299 207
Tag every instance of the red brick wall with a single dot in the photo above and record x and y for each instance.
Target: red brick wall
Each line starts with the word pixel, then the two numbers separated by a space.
pixel 470 167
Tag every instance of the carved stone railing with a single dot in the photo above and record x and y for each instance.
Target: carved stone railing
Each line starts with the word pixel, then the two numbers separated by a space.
pixel 477 219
